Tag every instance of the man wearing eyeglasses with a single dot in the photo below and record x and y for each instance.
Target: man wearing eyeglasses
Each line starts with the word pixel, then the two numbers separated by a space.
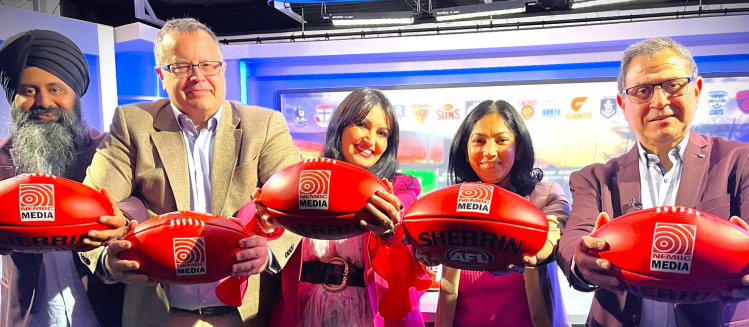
pixel 659 91
pixel 194 151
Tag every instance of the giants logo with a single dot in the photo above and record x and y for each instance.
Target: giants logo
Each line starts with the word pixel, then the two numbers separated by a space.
pixel 314 189
pixel 448 112
pixel 576 104
pixel 475 198
pixel 37 202
pixel 468 256
pixel 673 245
pixel 189 256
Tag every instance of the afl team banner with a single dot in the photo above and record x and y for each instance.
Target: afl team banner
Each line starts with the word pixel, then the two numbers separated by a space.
pixel 573 124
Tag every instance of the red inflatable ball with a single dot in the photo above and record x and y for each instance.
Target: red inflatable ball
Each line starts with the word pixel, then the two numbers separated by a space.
pixel 41 212
pixel 185 247
pixel 676 254
pixel 476 226
pixel 321 198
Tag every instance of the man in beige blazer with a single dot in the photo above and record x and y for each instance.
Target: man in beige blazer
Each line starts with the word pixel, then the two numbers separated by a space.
pixel 194 151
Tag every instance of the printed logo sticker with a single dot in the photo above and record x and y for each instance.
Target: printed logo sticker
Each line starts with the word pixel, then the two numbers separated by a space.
pixel 469 256
pixel 475 198
pixel 37 202
pixel 314 189
pixel 716 101
pixel 189 256
pixel 608 107
pixel 673 246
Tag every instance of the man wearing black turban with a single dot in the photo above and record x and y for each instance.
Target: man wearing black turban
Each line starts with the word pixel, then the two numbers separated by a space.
pixel 44 75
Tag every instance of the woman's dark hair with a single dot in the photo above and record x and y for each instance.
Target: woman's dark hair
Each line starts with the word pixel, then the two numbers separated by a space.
pixel 354 108
pixel 523 177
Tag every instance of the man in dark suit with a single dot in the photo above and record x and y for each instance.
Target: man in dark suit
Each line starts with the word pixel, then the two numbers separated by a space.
pixel 44 75
pixel 659 91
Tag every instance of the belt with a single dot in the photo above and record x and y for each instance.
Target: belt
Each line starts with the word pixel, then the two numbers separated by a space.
pixel 208 311
pixel 324 273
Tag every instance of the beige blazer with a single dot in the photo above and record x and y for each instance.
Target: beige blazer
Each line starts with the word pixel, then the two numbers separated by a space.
pixel 145 156
pixel 541 285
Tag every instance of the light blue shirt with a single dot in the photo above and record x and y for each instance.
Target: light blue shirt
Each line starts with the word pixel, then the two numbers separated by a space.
pixel 61 299
pixel 659 187
pixel 199 146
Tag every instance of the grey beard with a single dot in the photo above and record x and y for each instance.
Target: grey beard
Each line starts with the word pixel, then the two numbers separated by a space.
pixel 43 146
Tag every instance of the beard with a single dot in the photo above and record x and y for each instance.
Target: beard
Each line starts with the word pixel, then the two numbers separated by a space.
pixel 43 146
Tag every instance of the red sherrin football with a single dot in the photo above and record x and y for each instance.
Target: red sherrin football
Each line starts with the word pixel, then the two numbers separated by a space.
pixel 476 226
pixel 321 198
pixel 46 212
pixel 676 254
pixel 185 247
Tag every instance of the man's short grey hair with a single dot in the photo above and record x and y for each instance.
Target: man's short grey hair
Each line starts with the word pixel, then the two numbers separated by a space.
pixel 649 48
pixel 180 26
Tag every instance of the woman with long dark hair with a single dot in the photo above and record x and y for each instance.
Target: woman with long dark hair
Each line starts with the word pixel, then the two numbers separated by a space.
pixel 493 145
pixel 362 131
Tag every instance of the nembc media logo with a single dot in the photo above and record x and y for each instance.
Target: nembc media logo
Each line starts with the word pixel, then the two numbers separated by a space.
pixel 37 202
pixel 673 246
pixel 189 256
pixel 314 189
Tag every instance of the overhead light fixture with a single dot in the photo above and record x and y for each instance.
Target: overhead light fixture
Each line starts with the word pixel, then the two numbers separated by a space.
pixel 480 10
pixel 285 8
pixel 577 4
pixel 371 18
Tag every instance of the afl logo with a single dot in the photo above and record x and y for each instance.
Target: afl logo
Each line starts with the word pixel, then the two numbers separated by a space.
pixel 474 197
pixel 37 202
pixel 189 256
pixel 314 189
pixel 673 246
pixel 469 257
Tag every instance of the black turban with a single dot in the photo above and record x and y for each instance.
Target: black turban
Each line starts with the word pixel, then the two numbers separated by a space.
pixel 46 50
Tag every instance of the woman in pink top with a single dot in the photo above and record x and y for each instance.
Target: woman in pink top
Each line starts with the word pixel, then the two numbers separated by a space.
pixel 492 145
pixel 363 131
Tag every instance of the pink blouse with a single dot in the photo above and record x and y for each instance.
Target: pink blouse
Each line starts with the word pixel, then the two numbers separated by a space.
pixel 491 301
pixel 351 306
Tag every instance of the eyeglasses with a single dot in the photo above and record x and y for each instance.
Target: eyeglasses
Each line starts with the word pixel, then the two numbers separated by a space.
pixel 673 88
pixel 208 68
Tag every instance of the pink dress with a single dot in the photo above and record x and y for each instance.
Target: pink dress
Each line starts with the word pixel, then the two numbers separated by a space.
pixel 491 301
pixel 310 305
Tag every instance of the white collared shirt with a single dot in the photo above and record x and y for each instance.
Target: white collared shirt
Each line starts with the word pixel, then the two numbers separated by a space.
pixel 659 187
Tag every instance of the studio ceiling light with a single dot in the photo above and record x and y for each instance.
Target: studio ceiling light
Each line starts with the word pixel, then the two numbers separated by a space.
pixel 481 10
pixel 373 18
pixel 590 3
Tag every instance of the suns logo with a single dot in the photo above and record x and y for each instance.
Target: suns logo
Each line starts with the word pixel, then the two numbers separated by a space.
pixel 475 197
pixel 673 246
pixel 37 202
pixel 189 256
pixel 314 189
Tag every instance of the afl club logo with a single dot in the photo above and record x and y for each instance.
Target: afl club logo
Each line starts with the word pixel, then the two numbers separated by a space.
pixel 673 246
pixel 323 112
pixel 314 189
pixel 189 256
pixel 475 198
pixel 716 101
pixel 469 256
pixel 608 107
pixel 37 202
pixel 742 100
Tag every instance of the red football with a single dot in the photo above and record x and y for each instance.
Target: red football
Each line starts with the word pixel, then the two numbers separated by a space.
pixel 321 198
pixel 185 247
pixel 476 226
pixel 676 254
pixel 46 212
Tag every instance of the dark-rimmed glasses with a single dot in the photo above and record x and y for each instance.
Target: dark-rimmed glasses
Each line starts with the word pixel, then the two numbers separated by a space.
pixel 674 88
pixel 208 68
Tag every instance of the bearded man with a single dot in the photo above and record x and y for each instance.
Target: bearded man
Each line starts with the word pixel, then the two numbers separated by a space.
pixel 44 75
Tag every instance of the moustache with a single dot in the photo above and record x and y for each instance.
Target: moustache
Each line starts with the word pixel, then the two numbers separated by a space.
pixel 36 112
